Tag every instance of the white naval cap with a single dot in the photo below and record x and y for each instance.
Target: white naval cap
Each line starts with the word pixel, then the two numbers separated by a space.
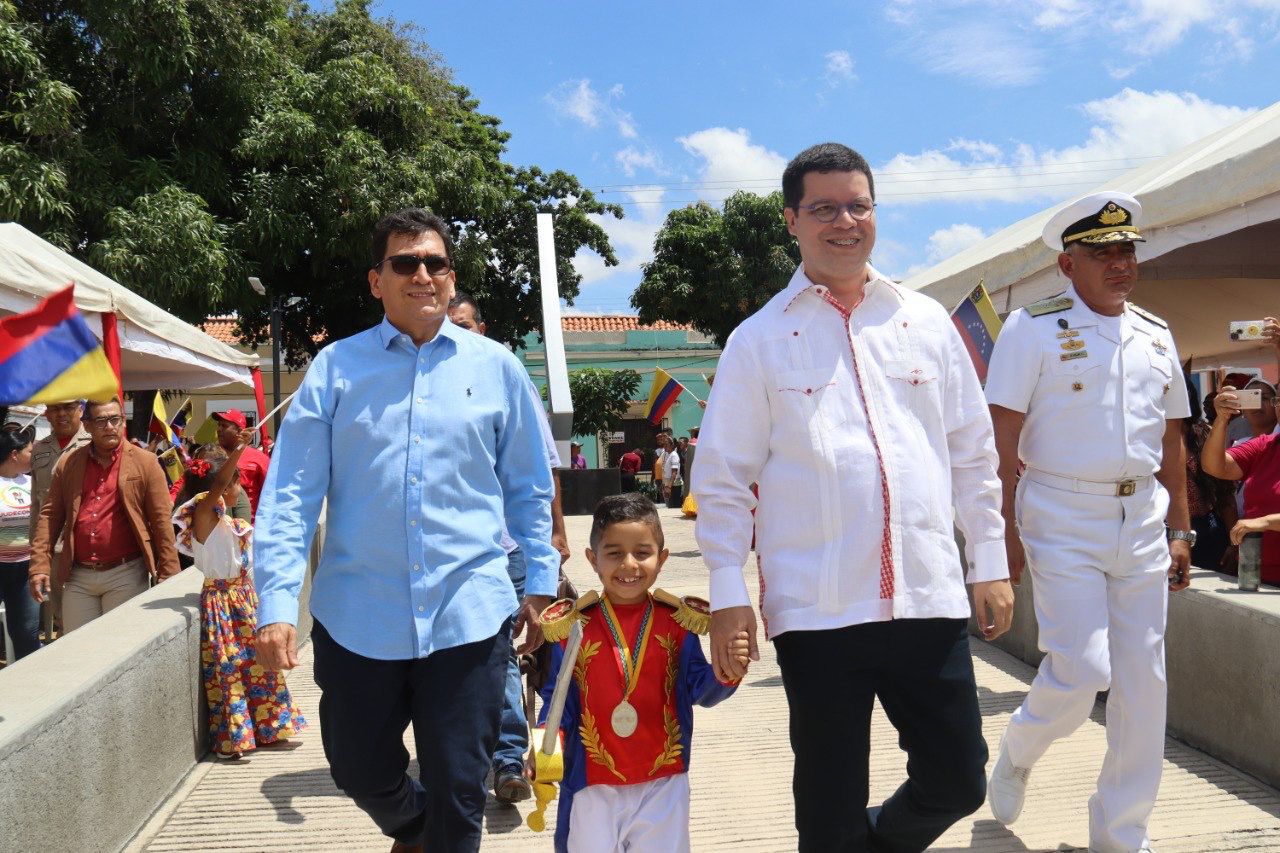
pixel 1104 217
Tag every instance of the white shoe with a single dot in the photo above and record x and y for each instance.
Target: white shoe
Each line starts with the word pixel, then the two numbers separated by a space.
pixel 1007 788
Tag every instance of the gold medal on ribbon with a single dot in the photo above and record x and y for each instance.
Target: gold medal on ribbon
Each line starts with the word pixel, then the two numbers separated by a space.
pixel 625 719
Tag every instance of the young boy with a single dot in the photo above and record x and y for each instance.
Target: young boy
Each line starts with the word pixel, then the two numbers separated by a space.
pixel 628 717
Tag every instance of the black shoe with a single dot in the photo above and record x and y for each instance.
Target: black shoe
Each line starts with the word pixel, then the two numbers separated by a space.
pixel 510 785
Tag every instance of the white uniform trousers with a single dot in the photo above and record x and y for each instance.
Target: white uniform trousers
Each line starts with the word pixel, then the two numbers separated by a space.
pixel 1100 566
pixel 651 817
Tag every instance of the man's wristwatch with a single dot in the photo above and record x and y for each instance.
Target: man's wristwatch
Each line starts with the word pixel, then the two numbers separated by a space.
pixel 1189 536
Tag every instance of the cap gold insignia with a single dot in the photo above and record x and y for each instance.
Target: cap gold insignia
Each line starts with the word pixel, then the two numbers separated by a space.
pixel 1068 333
pixel 1077 386
pixel 1113 214
pixel 1067 356
pixel 1072 344
pixel 1166 390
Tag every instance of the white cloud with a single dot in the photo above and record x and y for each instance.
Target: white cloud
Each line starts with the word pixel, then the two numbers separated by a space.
pixel 946 242
pixel 990 53
pixel 839 67
pixel 731 161
pixel 631 238
pixel 632 158
pixel 1128 127
pixel 578 99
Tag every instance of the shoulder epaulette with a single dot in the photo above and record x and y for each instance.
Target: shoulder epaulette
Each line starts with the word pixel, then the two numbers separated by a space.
pixel 559 616
pixel 691 613
pixel 1052 305
pixel 1149 317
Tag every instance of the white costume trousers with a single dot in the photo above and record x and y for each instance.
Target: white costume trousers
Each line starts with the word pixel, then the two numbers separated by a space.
pixel 1100 566
pixel 651 817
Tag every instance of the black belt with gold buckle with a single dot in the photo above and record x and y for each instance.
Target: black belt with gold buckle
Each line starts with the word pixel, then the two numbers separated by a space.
pixel 102 567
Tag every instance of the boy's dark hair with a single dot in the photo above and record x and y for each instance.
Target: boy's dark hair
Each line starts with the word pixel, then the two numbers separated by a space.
pixel 411 220
pixel 194 483
pixel 619 509
pixel 825 157
pixel 461 298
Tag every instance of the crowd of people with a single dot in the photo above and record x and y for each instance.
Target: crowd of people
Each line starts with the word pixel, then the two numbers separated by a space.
pixel 91 520
pixel 846 432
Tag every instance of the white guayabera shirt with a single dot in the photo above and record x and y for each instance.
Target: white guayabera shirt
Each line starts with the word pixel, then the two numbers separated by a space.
pixel 868 433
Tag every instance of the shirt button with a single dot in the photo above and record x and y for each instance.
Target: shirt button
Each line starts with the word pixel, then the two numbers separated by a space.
pixel 417 439
pixel 413 479
pixel 413 522
pixel 421 608
pixel 416 567
pixel 421 400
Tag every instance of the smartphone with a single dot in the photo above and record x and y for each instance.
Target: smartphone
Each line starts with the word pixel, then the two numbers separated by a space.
pixel 1250 398
pixel 1245 330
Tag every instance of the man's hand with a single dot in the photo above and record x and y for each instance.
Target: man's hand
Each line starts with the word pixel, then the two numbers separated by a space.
pixel 561 543
pixel 527 620
pixel 39 585
pixel 277 646
pixel 1180 564
pixel 727 626
pixel 1014 554
pixel 993 600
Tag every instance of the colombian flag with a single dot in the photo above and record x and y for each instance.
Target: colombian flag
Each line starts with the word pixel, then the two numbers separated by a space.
pixel 49 355
pixel 662 395
pixel 979 326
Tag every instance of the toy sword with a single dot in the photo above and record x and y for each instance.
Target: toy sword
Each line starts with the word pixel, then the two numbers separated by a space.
pixel 548 761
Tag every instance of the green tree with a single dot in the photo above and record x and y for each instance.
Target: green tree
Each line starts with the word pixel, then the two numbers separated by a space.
pixel 600 398
pixel 182 145
pixel 712 269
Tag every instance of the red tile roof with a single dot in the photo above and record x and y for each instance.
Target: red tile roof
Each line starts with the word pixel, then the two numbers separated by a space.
pixel 617 323
pixel 224 328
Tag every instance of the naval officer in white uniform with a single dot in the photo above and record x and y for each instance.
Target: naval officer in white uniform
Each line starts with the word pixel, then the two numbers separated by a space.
pixel 1085 389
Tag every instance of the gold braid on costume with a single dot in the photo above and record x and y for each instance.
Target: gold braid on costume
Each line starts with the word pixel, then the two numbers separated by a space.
pixel 558 617
pixel 693 614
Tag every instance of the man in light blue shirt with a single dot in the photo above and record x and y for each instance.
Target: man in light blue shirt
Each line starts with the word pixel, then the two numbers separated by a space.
pixel 426 440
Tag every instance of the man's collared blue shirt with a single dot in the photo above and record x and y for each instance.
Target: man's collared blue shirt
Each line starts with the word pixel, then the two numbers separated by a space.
pixel 423 453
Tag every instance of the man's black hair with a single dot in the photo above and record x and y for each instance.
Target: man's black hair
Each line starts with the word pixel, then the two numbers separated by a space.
pixel 411 220
pixel 620 509
pixel 461 298
pixel 825 157
pixel 90 405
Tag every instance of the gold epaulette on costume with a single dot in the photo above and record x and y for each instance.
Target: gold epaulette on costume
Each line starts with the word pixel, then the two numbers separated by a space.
pixel 558 618
pixel 691 613
pixel 1150 318
pixel 1052 305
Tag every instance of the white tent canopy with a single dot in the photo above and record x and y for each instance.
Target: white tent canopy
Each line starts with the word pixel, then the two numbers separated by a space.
pixel 157 350
pixel 1212 214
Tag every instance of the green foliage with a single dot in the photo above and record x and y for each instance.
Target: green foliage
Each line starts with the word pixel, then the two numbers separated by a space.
pixel 600 398
pixel 182 145
pixel 713 269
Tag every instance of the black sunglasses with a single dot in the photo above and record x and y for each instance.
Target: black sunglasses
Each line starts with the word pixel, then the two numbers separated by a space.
pixel 408 264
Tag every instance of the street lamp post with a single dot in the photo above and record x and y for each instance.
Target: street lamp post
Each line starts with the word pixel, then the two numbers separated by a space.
pixel 275 311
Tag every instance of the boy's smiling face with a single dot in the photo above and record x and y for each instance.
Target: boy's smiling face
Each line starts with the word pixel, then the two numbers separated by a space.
pixel 628 559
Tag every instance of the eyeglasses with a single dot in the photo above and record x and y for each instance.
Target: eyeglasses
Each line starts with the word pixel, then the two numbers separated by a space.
pixel 825 211
pixel 105 421
pixel 408 264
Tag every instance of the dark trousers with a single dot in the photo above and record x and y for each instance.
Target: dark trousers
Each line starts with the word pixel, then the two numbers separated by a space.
pixel 922 672
pixel 453 698
pixel 21 613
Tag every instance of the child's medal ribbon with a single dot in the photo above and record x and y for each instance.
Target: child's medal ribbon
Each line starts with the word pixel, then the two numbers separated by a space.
pixel 624 719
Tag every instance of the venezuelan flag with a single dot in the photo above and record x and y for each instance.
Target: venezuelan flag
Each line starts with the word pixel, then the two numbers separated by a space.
pixel 49 355
pixel 979 326
pixel 159 419
pixel 662 395
pixel 179 422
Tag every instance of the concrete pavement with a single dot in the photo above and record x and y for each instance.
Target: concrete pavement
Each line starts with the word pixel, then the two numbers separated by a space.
pixel 283 799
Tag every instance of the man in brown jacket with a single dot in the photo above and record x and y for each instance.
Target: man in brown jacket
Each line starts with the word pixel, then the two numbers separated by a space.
pixel 112 500
pixel 68 434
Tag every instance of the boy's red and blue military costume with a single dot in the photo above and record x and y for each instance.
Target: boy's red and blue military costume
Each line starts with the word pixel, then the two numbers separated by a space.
pixel 673 678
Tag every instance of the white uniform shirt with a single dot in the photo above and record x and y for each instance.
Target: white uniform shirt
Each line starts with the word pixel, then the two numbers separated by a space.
pixel 671 466
pixel 842 424
pixel 1098 416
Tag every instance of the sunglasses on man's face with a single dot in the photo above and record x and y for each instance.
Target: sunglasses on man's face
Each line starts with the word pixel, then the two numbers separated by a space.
pixel 408 264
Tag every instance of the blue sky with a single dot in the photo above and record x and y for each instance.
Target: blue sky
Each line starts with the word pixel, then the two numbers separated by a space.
pixel 972 113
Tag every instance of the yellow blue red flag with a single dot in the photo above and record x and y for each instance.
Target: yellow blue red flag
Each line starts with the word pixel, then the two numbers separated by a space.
pixel 49 355
pixel 662 396
pixel 979 326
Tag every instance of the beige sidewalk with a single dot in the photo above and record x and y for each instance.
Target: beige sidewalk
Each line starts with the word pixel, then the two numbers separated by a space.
pixel 740 774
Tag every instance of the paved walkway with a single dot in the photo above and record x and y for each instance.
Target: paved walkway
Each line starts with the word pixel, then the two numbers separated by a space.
pixel 285 800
